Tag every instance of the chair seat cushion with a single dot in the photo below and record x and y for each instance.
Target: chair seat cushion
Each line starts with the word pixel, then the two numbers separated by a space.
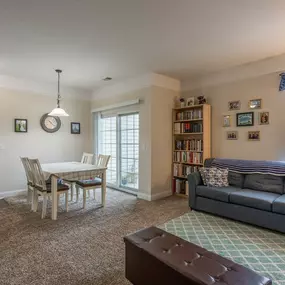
pixel 60 187
pixel 279 205
pixel 89 182
pixel 255 199
pixel 216 193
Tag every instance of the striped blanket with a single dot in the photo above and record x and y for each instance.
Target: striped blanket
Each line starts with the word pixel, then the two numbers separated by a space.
pixel 251 166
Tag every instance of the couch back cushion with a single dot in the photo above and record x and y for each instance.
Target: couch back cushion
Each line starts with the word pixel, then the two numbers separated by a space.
pixel 264 182
pixel 236 179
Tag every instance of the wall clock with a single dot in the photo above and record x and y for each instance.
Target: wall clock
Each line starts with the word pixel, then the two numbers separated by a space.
pixel 50 124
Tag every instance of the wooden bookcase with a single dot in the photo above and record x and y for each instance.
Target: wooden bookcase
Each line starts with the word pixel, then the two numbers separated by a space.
pixel 191 143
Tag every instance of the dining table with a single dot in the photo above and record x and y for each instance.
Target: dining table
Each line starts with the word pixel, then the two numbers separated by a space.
pixel 71 172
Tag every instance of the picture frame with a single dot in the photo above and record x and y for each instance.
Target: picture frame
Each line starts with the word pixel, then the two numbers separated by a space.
pixel 75 128
pixel 190 101
pixel 226 121
pixel 234 105
pixel 255 104
pixel 263 118
pixel 21 125
pixel 245 119
pixel 232 135
pixel 253 136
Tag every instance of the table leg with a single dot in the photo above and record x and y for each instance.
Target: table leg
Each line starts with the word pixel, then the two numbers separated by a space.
pixel 54 197
pixel 103 189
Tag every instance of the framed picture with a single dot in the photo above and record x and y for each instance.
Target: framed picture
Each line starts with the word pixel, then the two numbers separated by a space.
pixel 245 119
pixel 254 136
pixel 21 125
pixel 254 104
pixel 75 128
pixel 226 121
pixel 234 105
pixel 263 118
pixel 190 101
pixel 232 135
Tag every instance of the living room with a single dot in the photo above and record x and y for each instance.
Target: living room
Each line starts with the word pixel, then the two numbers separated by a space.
pixel 102 169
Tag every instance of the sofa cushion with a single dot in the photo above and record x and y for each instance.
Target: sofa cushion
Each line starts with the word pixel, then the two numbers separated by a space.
pixel 236 179
pixel 264 182
pixel 279 205
pixel 215 193
pixel 255 199
pixel 217 177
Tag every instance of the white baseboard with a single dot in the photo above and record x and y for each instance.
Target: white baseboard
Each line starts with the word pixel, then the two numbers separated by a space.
pixel 156 196
pixel 161 195
pixel 12 193
pixel 144 196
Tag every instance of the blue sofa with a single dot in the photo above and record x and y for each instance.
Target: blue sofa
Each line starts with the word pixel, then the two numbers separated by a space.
pixel 257 199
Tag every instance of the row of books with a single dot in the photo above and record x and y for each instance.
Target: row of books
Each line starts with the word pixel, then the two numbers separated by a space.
pixel 180 128
pixel 190 115
pixel 181 170
pixel 180 186
pixel 188 156
pixel 192 144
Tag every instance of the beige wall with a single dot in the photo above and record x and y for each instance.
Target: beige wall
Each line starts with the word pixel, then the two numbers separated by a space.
pixel 60 146
pixel 271 145
pixel 155 137
pixel 162 103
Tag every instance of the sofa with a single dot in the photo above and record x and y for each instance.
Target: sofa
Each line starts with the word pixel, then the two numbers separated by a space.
pixel 254 198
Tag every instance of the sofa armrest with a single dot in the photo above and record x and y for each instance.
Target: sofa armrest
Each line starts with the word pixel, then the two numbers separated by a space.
pixel 194 179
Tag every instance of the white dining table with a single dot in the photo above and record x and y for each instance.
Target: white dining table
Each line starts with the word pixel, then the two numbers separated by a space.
pixel 71 171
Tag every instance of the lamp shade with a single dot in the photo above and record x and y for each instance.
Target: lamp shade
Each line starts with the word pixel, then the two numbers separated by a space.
pixel 58 112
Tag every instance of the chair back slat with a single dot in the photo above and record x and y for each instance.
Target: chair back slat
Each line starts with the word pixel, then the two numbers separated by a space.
pixel 39 178
pixel 102 160
pixel 28 170
pixel 87 158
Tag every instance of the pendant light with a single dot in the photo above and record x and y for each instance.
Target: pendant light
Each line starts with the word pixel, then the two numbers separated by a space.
pixel 58 112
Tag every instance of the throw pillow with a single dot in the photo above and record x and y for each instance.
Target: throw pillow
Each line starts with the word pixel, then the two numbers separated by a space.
pixel 217 177
pixel 203 172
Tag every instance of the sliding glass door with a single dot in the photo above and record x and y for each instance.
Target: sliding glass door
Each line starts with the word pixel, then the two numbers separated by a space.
pixel 118 136
pixel 107 144
pixel 129 151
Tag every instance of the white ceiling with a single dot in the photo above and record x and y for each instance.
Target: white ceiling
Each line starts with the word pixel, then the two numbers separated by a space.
pixel 91 39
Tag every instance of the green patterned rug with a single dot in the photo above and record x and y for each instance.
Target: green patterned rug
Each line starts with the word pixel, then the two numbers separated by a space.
pixel 258 249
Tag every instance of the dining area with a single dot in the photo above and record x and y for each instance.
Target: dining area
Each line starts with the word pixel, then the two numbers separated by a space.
pixel 49 181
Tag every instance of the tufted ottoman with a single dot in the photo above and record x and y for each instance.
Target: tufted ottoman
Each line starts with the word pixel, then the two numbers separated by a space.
pixel 155 257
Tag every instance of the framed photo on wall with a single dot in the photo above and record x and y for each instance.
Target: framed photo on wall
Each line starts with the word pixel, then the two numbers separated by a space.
pixel 245 119
pixel 226 121
pixel 234 105
pixel 254 135
pixel 21 125
pixel 263 118
pixel 75 128
pixel 232 135
pixel 255 104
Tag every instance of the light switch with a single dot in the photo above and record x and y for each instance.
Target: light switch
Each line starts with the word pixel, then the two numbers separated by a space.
pixel 2 146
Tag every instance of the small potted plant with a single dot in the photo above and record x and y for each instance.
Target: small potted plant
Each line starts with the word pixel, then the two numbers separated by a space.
pixel 182 102
pixel 201 100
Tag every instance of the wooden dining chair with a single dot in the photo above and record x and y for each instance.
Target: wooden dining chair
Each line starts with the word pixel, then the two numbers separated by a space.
pixel 92 184
pixel 87 158
pixel 42 188
pixel 30 181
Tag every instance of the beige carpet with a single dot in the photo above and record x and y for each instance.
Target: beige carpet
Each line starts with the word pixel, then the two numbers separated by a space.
pixel 81 247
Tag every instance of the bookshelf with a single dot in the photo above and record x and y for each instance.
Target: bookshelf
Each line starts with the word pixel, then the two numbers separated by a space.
pixel 191 143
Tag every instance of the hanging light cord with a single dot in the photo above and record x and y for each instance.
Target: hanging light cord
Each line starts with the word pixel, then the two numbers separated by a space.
pixel 58 87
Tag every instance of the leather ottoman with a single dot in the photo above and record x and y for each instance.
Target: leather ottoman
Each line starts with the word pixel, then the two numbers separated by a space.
pixel 155 257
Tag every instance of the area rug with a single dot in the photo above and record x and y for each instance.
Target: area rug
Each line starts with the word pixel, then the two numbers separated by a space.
pixel 82 247
pixel 258 249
